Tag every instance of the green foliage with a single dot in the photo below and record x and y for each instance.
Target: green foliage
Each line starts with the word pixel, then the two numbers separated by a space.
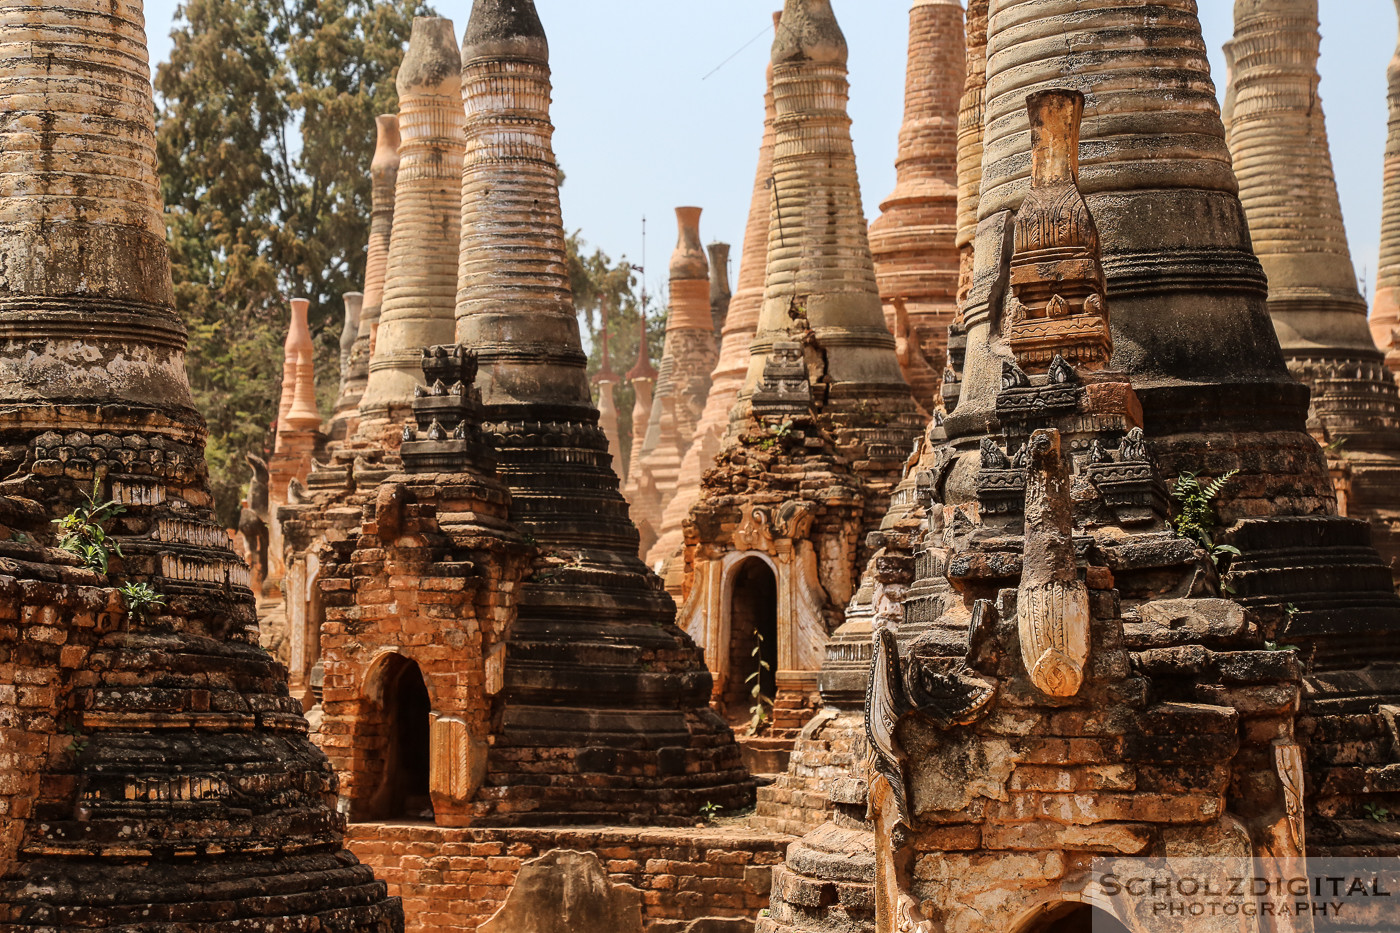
pixel 140 598
pixel 1196 516
pixel 1376 813
pixel 80 532
pixel 605 295
pixel 710 811
pixel 761 704
pixel 265 131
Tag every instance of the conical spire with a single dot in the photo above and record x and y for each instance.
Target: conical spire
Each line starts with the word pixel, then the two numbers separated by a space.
pixel 720 293
pixel 970 113
pixel 820 279
pixel 913 241
pixel 606 380
pixel 420 280
pixel 188 738
pixel 737 334
pixel 642 377
pixel 383 171
pixel 572 677
pixel 1385 310
pixel 349 330
pixel 1190 327
pixel 1278 138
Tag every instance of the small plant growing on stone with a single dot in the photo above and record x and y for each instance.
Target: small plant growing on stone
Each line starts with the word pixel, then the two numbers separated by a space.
pixel 759 711
pixel 1275 646
pixel 1377 813
pixel 710 811
pixel 1196 519
pixel 81 532
pixel 139 598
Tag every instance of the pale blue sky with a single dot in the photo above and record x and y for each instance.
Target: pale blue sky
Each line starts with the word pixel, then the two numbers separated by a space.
pixel 639 132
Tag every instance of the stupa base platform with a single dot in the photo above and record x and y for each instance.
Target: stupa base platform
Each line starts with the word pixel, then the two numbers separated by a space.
pixel 713 878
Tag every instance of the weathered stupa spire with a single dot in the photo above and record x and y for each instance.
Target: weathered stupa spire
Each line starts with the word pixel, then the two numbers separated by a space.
pixel 420 279
pixel 913 241
pixel 736 334
pixel 383 171
pixel 684 386
pixel 971 109
pixel 820 280
pixel 594 660
pixel 720 293
pixel 642 377
pixel 1385 310
pixel 1278 138
pixel 185 734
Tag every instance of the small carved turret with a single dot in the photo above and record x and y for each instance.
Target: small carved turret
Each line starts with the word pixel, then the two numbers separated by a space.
pixel 1057 285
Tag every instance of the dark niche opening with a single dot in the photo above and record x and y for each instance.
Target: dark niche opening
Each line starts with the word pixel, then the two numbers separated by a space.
pixel 753 637
pixel 1075 918
pixel 402 792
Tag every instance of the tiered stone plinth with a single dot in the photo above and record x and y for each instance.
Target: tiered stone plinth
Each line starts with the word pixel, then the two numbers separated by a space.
pixel 913 241
pixel 156 772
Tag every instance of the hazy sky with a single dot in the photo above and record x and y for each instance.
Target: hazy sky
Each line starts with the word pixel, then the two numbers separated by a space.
pixel 640 129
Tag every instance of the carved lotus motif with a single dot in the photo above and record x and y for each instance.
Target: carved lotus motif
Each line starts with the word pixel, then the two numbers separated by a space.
pixel 1053 619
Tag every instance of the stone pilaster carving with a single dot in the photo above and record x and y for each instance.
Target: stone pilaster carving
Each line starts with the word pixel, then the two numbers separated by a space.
pixel 420 281
pixel 632 708
pixel 913 241
pixel 164 721
pixel 1278 138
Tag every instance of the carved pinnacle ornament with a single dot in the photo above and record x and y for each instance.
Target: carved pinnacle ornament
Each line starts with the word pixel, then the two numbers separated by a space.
pixel 1057 308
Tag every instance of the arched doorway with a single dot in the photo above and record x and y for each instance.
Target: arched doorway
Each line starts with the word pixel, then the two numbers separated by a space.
pixel 402 790
pixel 753 638
pixel 1075 918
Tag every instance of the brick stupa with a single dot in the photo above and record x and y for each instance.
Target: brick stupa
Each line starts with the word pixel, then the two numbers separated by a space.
pixel 1278 138
pixel 1385 307
pixel 603 710
pixel 823 423
pixel 736 333
pixel 157 772
pixel 913 241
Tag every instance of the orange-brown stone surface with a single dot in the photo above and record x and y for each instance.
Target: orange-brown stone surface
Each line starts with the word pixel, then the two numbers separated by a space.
pixel 1385 307
pixel 913 241
pixel 155 769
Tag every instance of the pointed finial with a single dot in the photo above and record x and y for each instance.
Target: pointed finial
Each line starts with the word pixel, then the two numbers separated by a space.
pixel 643 369
pixel 605 372
pixel 809 33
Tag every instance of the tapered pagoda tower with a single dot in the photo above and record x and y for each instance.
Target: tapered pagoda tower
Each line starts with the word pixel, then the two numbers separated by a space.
pixel 1385 309
pixel 913 241
pixel 1278 138
pixel 156 769
pixel 604 703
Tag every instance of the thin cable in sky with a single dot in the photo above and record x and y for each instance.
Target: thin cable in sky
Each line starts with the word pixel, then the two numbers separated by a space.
pixel 731 58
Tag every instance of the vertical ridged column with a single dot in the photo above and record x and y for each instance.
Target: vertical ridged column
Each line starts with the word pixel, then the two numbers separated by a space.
pixel 737 334
pixel 420 278
pixel 383 172
pixel 1190 326
pixel 1278 138
pixel 971 109
pixel 913 241
pixel 685 384
pixel 1385 310
pixel 720 293
pixel 819 284
pixel 156 769
pixel 604 705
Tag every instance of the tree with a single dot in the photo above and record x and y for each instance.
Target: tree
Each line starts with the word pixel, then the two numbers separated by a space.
pixel 605 295
pixel 265 131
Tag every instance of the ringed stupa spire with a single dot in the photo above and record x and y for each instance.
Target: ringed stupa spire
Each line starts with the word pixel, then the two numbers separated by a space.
pixel 572 673
pixel 191 784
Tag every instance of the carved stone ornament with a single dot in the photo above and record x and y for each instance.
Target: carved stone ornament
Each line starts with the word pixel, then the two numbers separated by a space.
pixel 1288 759
pixel 1056 308
pixel 1052 604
